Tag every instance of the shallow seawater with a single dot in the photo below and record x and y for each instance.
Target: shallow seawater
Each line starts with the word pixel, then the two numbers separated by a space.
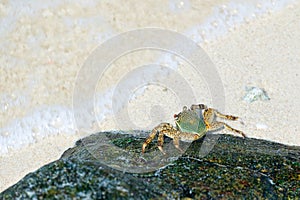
pixel 45 45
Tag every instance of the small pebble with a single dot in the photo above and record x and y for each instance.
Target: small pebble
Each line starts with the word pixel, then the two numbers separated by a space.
pixel 261 126
pixel 5 133
pixel 254 94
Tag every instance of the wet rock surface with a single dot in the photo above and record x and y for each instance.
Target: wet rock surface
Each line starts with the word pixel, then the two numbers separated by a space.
pixel 110 165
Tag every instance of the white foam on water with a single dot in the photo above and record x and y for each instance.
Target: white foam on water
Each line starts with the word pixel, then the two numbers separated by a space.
pixel 43 122
pixel 16 9
pixel 224 18
pixel 58 119
pixel 228 16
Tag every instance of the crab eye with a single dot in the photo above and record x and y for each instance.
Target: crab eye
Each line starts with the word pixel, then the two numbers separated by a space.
pixel 175 116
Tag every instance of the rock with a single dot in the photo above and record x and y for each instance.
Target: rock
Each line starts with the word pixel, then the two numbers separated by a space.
pixel 109 165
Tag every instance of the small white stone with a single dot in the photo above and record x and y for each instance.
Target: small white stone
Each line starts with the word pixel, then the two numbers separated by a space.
pixel 6 106
pixel 215 24
pixel 56 123
pixel 5 133
pixel 258 6
pixel 234 12
pixel 35 129
pixel 181 4
pixel 47 13
pixel 261 126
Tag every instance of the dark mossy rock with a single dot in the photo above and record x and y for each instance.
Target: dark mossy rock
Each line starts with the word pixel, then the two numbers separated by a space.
pixel 110 165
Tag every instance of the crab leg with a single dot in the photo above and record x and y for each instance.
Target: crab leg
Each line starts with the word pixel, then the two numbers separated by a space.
pixel 228 117
pixel 211 125
pixel 199 106
pixel 184 136
pixel 149 139
pixel 162 129
pixel 217 125
pixel 160 142
pixel 176 143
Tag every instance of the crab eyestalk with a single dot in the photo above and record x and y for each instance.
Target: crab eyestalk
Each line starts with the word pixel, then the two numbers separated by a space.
pixel 176 116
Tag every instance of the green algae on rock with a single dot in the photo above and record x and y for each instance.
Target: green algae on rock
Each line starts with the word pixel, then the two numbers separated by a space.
pixel 234 168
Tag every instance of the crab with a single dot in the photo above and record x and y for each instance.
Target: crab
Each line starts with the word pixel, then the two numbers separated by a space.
pixel 191 124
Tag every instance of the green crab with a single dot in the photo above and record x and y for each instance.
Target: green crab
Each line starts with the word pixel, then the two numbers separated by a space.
pixel 191 124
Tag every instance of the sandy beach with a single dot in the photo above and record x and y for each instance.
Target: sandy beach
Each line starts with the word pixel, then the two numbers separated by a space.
pixel 44 46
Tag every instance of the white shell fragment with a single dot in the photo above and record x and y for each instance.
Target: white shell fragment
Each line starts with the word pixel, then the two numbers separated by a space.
pixel 261 126
pixel 254 94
